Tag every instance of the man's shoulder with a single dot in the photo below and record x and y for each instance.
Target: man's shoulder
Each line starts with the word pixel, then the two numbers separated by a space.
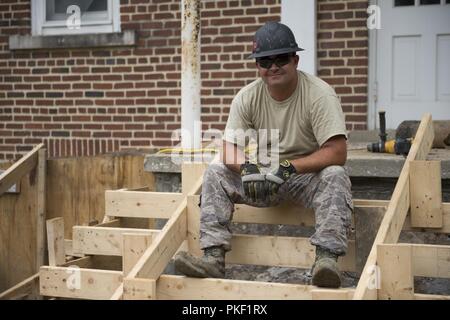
pixel 316 86
pixel 253 88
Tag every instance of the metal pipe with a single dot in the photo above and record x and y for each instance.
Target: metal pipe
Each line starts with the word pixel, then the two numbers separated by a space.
pixel 190 74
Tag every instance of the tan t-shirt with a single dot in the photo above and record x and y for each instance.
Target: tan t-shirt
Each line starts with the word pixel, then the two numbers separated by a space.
pixel 305 121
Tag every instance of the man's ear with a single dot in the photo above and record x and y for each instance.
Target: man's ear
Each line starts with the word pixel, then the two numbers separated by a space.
pixel 296 60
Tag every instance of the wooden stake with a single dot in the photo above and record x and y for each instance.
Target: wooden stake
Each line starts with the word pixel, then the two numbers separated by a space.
pixel 55 241
pixel 426 194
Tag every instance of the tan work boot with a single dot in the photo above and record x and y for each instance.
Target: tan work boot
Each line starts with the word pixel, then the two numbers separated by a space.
pixel 211 265
pixel 325 272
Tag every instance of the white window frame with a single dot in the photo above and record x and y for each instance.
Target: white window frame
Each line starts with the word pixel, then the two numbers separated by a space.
pixel 41 27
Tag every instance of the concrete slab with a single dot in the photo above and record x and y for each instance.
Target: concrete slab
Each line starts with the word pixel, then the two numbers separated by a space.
pixel 360 162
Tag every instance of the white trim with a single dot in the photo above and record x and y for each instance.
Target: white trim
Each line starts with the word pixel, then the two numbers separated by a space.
pixel 41 27
pixel 301 18
pixel 372 117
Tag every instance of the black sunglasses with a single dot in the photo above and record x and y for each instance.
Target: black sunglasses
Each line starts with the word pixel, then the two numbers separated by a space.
pixel 280 60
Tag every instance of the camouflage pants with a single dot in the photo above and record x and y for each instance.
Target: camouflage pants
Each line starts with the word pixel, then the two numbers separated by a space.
pixel 327 192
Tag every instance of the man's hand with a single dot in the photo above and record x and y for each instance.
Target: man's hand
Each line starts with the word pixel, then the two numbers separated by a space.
pixel 253 182
pixel 276 179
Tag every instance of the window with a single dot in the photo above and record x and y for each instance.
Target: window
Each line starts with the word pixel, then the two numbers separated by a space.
pixel 59 17
pixel 403 3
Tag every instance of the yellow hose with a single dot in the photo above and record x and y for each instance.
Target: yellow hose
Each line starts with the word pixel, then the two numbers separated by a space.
pixel 180 150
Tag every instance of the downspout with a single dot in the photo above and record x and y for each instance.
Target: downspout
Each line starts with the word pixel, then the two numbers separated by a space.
pixel 190 74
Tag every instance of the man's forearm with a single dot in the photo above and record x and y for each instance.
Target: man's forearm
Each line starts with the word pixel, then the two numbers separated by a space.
pixel 319 160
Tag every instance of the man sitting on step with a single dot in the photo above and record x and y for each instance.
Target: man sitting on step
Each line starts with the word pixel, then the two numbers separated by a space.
pixel 307 115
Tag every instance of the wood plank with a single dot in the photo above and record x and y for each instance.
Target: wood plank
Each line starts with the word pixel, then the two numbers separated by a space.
pixel 41 211
pixel 140 204
pixel 445 222
pixel 139 289
pixel 118 294
pixel 79 185
pixel 103 240
pixel 19 169
pixel 191 172
pixel 170 287
pixel 431 260
pixel 193 225
pixel 291 215
pixel 426 194
pixel 55 242
pixel 421 296
pixel 134 246
pixel 397 210
pixel 69 251
pixel 78 283
pixel 281 251
pixel 332 294
pixel 26 288
pixel 155 259
pixel 396 272
pixel 18 233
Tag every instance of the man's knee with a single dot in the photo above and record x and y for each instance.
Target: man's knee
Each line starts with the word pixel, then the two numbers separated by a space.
pixel 215 169
pixel 333 172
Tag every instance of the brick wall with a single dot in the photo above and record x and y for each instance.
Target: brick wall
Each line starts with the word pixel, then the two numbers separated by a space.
pixel 343 55
pixel 89 101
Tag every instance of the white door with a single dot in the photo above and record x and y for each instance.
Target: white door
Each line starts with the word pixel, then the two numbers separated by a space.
pixel 413 60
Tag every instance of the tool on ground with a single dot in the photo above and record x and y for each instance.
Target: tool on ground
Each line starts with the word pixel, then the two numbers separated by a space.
pixel 397 146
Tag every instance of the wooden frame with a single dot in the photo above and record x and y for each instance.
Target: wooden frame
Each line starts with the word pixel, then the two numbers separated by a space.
pixel 33 164
pixel 147 252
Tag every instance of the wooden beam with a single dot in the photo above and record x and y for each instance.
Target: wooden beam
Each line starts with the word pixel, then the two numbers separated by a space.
pixel 170 287
pixel 19 169
pixel 69 251
pixel 421 296
pixel 190 174
pixel 79 283
pixel 281 251
pixel 396 272
pixel 139 289
pixel 193 225
pixel 138 204
pixel 291 215
pixel 41 208
pixel 332 294
pixel 155 259
pixel 426 194
pixel 397 210
pixel 445 222
pixel 431 260
pixel 55 242
pixel 118 294
pixel 103 240
pixel 134 246
pixel 23 289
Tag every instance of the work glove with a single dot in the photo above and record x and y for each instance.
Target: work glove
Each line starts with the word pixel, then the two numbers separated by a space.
pixel 274 180
pixel 253 182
